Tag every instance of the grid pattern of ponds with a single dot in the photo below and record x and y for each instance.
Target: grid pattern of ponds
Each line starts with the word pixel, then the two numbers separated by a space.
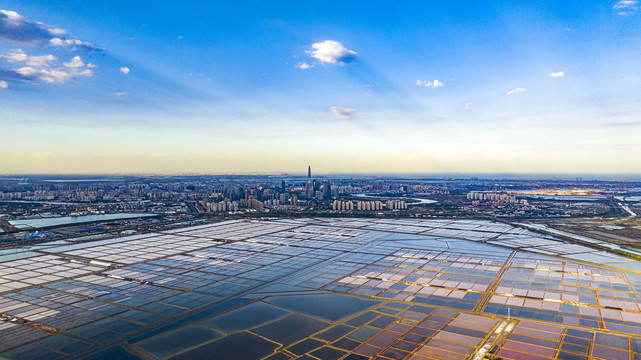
pixel 321 289
pixel 37 270
pixel 424 277
pixel 568 293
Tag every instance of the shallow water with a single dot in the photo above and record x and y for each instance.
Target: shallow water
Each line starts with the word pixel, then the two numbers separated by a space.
pixel 247 317
pixel 330 307
pixel 177 341
pixel 291 329
pixel 239 346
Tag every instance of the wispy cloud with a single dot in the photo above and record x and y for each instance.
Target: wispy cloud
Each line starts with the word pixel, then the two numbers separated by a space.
pixel 46 67
pixel 303 65
pixel 626 7
pixel 15 27
pixel 557 74
pixel 121 94
pixel 3 84
pixel 341 112
pixel 430 84
pixel 125 70
pixel 73 43
pixel 517 90
pixel 624 124
pixel 332 52
pixel 18 55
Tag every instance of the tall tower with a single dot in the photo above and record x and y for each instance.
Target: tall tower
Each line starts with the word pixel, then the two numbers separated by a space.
pixel 308 189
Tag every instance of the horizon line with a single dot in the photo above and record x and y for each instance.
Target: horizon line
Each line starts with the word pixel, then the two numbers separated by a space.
pixel 601 175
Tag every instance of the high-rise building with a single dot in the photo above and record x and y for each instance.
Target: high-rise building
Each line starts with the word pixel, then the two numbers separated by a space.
pixel 308 189
pixel 326 191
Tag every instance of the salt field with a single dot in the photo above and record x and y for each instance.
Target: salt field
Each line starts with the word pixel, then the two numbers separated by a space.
pixel 322 289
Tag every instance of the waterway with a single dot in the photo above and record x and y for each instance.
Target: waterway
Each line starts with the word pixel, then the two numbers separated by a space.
pixel 409 201
pixel 69 220
pixel 545 228
pixel 561 197
pixel 627 209
pixel 42 202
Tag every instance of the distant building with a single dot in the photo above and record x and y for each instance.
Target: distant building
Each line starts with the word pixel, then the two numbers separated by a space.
pixel 395 205
pixel 342 205
pixel 495 198
pixel 369 205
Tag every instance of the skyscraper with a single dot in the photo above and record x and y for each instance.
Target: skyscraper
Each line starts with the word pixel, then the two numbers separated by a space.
pixel 309 191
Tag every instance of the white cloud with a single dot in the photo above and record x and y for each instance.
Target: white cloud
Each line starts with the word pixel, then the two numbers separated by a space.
pixel 14 56
pixel 468 106
pixel 303 65
pixel 625 4
pixel 58 75
pixel 75 62
pixel 332 52
pixel 57 31
pixel 46 75
pixel 121 94
pixel 18 55
pixel 40 61
pixel 46 67
pixel 14 27
pixel 341 112
pixel 557 74
pixel 3 84
pixel 517 90
pixel 66 42
pixel 430 84
pixel 124 70
pixel 12 16
pixel 626 7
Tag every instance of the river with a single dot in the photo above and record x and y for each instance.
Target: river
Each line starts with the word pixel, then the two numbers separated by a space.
pixel 414 201
pixel 68 220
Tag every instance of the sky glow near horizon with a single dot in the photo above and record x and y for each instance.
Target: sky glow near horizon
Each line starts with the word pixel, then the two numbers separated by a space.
pixel 167 87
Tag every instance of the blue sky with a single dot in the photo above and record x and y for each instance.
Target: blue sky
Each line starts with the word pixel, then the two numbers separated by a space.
pixel 168 87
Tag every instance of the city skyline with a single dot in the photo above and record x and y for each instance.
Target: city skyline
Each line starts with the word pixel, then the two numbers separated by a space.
pixel 147 87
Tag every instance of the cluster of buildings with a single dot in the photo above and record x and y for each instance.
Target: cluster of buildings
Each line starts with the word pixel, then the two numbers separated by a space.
pixel 494 197
pixel 284 193
pixel 343 205
pixel 249 202
pixel 368 205
pixel 224 205
pixel 396 205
